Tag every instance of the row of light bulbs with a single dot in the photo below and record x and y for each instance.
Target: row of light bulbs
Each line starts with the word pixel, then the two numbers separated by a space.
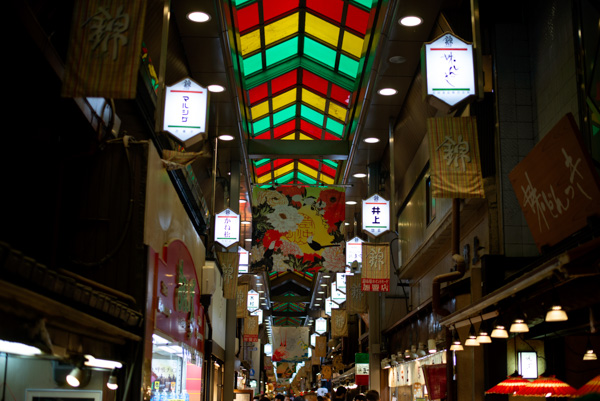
pixel 555 314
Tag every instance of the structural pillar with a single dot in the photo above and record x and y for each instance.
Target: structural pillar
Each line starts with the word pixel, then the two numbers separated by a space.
pixel 374 302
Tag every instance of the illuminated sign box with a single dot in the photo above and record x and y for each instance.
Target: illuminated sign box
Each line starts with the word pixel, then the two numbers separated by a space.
pixel 185 114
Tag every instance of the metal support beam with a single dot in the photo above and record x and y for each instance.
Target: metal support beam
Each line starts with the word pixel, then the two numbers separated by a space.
pixel 297 149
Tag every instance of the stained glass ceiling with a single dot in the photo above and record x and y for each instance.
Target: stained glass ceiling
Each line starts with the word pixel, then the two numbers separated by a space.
pixel 301 61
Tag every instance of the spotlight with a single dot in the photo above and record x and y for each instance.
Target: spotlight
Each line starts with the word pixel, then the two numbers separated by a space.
pixel 556 314
pixel 75 377
pixel 112 380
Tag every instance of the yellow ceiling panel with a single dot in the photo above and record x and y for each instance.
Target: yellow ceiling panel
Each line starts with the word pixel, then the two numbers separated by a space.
pixel 305 137
pixel 326 179
pixel 284 170
pixel 352 44
pixel 323 30
pixel 284 99
pixel 313 99
pixel 260 110
pixel 264 178
pixel 250 42
pixel 336 111
pixel 289 137
pixel 281 29
pixel 303 168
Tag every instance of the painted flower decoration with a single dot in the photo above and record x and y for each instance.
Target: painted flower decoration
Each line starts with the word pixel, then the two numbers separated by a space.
pixel 335 208
pixel 285 218
pixel 272 198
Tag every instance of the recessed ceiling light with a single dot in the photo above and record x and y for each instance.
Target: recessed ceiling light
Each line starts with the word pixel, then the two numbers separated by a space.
pixel 410 20
pixel 371 140
pixel 216 88
pixel 350 202
pixel 387 91
pixel 226 137
pixel 258 283
pixel 359 175
pixel 317 304
pixel 326 276
pixel 198 16
pixel 324 285
pixel 319 299
pixel 397 59
pixel 321 292
pixel 248 239
pixel 261 291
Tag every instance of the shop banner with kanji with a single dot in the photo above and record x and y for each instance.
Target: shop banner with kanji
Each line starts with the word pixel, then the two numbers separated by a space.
pixel 251 329
pixel 455 167
pixel 229 262
pixel 361 373
pixel 321 347
pixel 557 185
pixel 105 49
pixel 376 267
pixel 339 323
pixel 298 229
pixel 241 301
pixel 290 343
pixel 356 300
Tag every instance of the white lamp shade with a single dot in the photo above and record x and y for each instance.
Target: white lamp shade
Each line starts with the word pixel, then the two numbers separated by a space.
pixel 457 346
pixel 472 342
pixel 483 338
pixel 499 332
pixel 74 378
pixel 589 355
pixel 556 314
pixel 519 326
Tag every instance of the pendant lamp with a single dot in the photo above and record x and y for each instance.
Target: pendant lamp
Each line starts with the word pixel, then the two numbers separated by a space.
pixel 456 344
pixel 547 386
pixel 593 386
pixel 510 385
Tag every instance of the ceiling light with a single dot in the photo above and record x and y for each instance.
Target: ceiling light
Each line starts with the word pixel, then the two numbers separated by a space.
pixel 261 291
pixel 432 346
pixel 499 332
pixel 350 202
pixel 216 88
pixel 589 355
pixel 101 363
pixel 397 59
pixel 10 347
pixel 112 380
pixel 556 314
pixel 326 276
pixel 456 344
pixel 242 200
pixel 248 239
pixel 472 339
pixel 75 377
pixel 483 337
pixel 320 292
pixel 245 222
pixel 324 285
pixel 156 339
pixel 226 137
pixel 198 16
pixel 258 283
pixel 319 299
pixel 519 326
pixel 359 175
pixel 371 140
pixel 387 91
pixel 411 20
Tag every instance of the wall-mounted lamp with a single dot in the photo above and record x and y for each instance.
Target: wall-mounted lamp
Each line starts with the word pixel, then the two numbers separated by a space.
pixel 432 346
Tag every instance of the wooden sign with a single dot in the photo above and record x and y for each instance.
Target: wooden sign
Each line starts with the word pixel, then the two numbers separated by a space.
pixel 241 300
pixel 321 347
pixel 229 263
pixel 251 329
pixel 339 323
pixel 356 300
pixel 556 185
pixel 376 267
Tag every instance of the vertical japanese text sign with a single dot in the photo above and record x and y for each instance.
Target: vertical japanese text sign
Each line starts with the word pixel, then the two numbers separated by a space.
pixel 354 251
pixel 449 70
pixel 227 228
pixel 376 267
pixel 186 105
pixel 104 49
pixel 556 185
pixel 375 215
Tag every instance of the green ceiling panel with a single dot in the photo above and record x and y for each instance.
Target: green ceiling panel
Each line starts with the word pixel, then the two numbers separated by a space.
pixel 282 51
pixel 320 52
pixel 348 66
pixel 284 115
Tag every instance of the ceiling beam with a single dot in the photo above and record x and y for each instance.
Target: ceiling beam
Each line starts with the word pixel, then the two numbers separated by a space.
pixel 297 149
pixel 290 298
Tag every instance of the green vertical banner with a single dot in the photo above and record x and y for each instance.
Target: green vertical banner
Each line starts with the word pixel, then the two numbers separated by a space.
pixel 361 373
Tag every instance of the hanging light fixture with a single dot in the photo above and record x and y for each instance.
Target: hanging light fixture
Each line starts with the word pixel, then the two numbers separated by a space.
pixel 456 344
pixel 510 385
pixel 499 332
pixel 556 314
pixel 589 355
pixel 546 386
pixel 432 346
pixel 519 326
pixel 472 339
pixel 482 335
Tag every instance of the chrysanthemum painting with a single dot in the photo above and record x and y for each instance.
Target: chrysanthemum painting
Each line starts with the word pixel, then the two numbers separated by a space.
pixel 297 228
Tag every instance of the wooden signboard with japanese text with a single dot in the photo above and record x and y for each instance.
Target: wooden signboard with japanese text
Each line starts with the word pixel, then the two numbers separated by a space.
pixel 556 185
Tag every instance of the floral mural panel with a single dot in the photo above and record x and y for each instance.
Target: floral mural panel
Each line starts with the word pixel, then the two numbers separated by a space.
pixel 298 228
pixel 290 344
